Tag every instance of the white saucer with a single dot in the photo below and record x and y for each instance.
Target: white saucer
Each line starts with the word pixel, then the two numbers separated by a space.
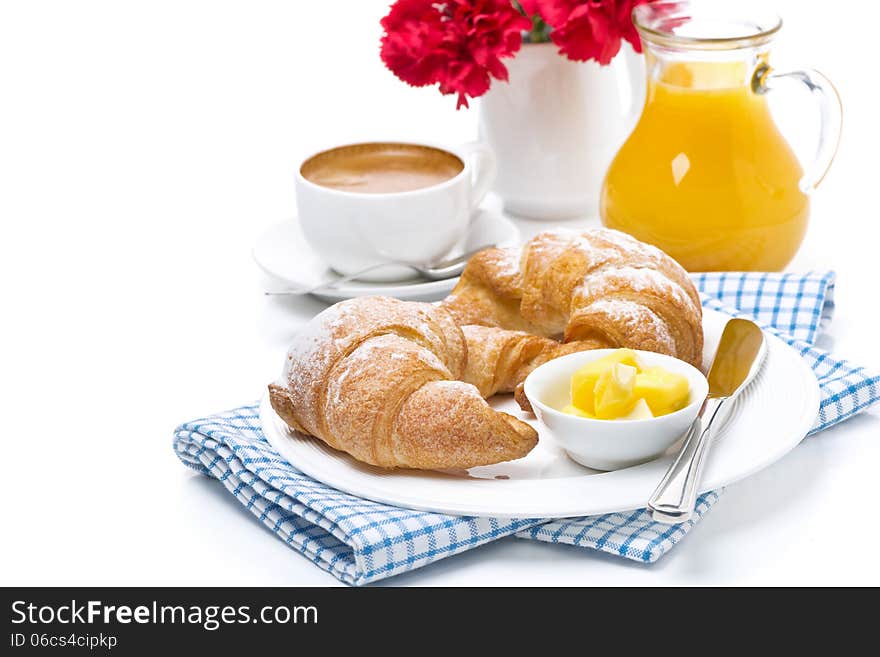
pixel 283 253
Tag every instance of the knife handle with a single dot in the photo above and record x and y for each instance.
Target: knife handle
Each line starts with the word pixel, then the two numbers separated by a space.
pixel 674 499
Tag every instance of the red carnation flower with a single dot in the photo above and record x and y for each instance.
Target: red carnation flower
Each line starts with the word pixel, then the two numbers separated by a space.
pixel 531 7
pixel 457 44
pixel 590 29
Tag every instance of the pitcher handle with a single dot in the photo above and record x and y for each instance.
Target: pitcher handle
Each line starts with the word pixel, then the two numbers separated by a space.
pixel 831 111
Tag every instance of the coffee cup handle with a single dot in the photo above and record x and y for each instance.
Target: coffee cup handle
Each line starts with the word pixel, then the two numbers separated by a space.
pixel 485 168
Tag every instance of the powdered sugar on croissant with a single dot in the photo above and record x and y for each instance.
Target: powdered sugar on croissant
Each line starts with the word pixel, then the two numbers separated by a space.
pixel 380 379
pixel 600 286
pixel 400 384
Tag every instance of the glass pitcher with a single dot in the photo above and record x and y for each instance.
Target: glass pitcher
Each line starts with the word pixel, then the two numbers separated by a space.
pixel 706 175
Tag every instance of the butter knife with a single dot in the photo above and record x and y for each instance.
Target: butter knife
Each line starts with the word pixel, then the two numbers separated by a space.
pixel 740 354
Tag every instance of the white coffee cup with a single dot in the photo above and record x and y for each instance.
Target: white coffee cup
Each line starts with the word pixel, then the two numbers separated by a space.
pixel 353 230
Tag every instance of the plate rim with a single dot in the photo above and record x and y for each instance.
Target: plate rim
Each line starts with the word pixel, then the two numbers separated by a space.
pixel 272 429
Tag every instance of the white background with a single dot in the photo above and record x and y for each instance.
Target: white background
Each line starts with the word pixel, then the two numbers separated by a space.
pixel 145 145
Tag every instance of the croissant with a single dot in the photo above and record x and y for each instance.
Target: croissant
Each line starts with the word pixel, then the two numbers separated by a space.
pixel 599 288
pixel 401 384
pixel 499 360
pixel 384 380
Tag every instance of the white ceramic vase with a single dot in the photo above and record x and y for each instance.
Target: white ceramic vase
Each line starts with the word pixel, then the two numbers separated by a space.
pixel 555 127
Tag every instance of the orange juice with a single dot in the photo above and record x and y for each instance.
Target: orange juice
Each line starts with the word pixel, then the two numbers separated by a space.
pixel 706 175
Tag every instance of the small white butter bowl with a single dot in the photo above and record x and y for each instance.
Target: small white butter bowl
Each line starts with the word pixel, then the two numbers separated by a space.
pixel 609 444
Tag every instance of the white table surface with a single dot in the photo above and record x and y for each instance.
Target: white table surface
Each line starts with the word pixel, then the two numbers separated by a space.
pixel 145 146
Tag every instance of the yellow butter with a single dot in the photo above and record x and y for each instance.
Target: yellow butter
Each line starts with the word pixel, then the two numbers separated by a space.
pixel 571 409
pixel 640 411
pixel 613 394
pixel 583 382
pixel 664 391
pixel 617 386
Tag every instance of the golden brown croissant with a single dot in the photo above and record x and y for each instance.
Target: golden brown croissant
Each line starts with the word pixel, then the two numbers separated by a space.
pixel 499 360
pixel 381 379
pixel 600 287
pixel 399 384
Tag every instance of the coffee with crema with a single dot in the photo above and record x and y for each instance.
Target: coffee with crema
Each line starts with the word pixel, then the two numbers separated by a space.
pixel 381 168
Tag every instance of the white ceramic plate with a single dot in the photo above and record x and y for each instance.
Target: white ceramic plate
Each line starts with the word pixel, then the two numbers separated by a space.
pixel 771 416
pixel 283 253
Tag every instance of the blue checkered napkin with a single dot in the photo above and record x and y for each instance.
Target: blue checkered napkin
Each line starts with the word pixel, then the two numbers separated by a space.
pixel 796 304
pixel 359 541
pixel 355 540
pixel 790 306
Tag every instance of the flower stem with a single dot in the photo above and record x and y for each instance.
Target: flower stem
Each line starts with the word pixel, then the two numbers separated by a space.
pixel 540 32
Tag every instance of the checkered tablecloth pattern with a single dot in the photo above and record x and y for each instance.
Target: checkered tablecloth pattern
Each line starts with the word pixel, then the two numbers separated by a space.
pixel 359 541
pixel 795 304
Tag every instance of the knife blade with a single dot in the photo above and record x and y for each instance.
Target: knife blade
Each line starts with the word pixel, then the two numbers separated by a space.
pixel 738 359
